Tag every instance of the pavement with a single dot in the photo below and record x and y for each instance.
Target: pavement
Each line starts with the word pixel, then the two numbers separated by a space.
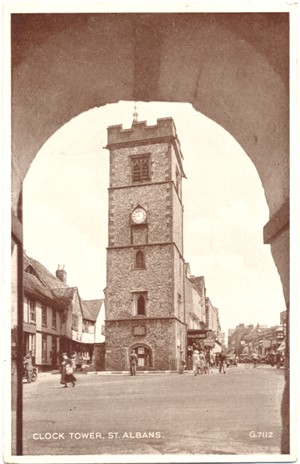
pixel 235 413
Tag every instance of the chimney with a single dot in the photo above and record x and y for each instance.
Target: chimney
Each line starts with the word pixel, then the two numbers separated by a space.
pixel 61 273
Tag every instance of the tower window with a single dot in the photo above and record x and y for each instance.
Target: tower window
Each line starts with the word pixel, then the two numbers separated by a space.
pixel 140 303
pixel 139 260
pixel 140 168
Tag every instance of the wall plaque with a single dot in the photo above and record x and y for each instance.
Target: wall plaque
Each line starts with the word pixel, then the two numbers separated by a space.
pixel 139 330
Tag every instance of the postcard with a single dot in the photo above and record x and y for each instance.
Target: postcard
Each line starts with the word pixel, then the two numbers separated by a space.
pixel 149 159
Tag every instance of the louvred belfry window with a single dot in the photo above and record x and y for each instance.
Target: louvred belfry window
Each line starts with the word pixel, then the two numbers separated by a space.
pixel 140 168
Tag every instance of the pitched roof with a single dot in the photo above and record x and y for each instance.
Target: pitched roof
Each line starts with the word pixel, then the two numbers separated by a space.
pixel 91 309
pixel 40 282
pixel 34 287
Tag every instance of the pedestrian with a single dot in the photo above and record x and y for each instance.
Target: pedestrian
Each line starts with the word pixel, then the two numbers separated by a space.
pixel 28 367
pixel 278 359
pixel 272 358
pixel 196 362
pixel 254 359
pixel 67 371
pixel 207 362
pixel 212 361
pixel 133 362
pixel 222 362
pixel 202 362
pixel 73 361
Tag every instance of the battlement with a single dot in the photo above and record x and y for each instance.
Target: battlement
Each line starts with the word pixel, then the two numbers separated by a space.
pixel 140 131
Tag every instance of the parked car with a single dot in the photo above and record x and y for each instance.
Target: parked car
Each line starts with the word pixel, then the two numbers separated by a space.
pixel 245 358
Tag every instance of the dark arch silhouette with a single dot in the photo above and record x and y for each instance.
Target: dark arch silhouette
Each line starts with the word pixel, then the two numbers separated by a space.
pixel 231 67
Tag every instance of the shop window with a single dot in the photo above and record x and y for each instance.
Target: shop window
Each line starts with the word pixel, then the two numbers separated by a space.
pixel 32 344
pixel 44 348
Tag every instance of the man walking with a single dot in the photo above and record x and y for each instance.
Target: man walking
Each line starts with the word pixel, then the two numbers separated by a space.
pixel 133 362
pixel 222 362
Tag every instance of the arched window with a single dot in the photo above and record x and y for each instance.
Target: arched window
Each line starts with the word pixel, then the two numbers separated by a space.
pixel 139 260
pixel 139 300
pixel 141 306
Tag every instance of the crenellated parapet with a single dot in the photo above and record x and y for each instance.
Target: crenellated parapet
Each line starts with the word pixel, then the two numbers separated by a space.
pixel 140 132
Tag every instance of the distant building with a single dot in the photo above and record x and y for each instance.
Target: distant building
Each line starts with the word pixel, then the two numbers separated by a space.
pixel 56 319
pixel 42 317
pixel 262 340
pixel 236 338
pixel 212 317
pixel 195 293
pixel 258 338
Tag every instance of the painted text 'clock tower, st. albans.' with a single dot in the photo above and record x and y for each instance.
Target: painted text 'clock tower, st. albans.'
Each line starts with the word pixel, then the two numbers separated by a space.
pixel 144 295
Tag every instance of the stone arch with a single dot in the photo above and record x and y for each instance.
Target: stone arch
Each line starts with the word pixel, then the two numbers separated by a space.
pixel 148 348
pixel 231 67
pixel 59 70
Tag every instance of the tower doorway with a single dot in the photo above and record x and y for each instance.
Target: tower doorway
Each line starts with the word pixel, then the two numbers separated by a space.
pixel 145 358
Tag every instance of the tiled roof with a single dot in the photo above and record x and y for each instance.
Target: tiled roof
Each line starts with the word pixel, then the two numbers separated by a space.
pixel 40 282
pixel 91 309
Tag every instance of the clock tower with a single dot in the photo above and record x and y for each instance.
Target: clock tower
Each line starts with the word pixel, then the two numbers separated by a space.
pixel 144 296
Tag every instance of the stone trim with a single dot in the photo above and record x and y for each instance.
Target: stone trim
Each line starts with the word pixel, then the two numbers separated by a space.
pixel 277 223
pixel 119 247
pixel 143 184
pixel 146 319
pixel 157 140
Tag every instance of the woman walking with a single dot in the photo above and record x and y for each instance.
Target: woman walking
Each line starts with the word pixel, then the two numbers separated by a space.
pixel 67 372
pixel 195 359
pixel 202 362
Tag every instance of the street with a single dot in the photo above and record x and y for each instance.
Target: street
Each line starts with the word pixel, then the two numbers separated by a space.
pixel 233 413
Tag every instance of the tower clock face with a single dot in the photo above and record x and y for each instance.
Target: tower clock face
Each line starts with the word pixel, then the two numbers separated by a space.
pixel 138 216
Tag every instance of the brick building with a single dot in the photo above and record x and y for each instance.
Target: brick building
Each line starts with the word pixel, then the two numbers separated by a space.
pixel 144 296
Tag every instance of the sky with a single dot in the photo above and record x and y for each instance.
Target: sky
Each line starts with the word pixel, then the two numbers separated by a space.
pixel 66 209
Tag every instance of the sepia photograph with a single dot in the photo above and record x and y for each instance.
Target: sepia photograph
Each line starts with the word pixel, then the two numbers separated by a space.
pixel 150 155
